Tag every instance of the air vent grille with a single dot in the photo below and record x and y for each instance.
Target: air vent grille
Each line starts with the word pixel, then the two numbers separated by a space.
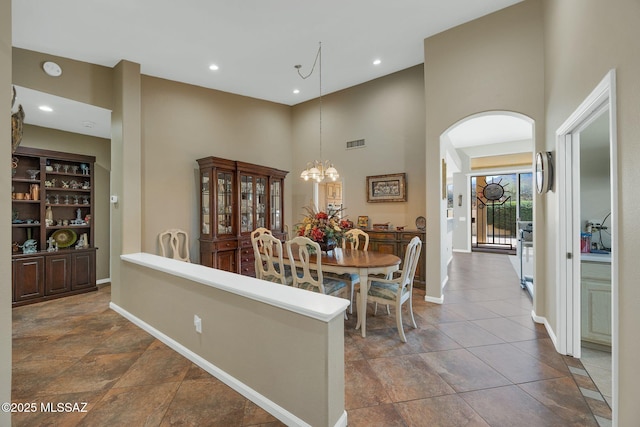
pixel 358 143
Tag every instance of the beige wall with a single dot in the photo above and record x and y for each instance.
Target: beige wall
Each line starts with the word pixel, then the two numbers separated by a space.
pixel 183 123
pixel 51 139
pixel 5 211
pixel 584 39
pixel 80 81
pixel 389 114
pixel 492 63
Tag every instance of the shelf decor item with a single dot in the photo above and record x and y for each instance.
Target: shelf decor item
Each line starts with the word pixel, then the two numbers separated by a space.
pixel 17 121
pixel 64 237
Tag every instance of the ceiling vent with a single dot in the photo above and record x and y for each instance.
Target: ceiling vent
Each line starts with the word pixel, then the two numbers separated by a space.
pixel 358 143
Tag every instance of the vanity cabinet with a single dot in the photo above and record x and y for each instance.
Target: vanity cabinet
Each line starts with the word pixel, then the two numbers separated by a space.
pixel 395 242
pixel 236 198
pixel 596 302
pixel 52 202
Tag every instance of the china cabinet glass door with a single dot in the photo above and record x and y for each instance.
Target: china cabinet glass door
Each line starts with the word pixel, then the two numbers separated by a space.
pixel 246 203
pixel 261 202
pixel 225 203
pixel 206 221
pixel 275 204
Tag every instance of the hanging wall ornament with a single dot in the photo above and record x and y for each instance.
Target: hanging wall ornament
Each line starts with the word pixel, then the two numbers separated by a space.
pixel 17 121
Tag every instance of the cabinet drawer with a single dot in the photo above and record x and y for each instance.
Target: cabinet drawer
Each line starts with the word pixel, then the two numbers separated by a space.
pixel 247 252
pixel 247 259
pixel 596 270
pixel 382 236
pixel 409 236
pixel 225 245
pixel 248 268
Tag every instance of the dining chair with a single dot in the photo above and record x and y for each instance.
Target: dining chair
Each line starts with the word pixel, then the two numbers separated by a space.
pixel 259 257
pixel 177 242
pixel 354 239
pixel 273 269
pixel 312 278
pixel 397 290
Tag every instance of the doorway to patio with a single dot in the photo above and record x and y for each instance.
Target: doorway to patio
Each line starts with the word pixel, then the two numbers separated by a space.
pixel 499 203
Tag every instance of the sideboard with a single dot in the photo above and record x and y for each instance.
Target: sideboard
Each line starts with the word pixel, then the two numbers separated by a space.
pixel 395 242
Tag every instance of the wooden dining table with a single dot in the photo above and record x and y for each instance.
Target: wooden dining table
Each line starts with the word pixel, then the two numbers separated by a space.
pixel 363 263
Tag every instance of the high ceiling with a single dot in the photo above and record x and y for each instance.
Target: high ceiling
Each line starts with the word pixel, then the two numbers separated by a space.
pixel 255 43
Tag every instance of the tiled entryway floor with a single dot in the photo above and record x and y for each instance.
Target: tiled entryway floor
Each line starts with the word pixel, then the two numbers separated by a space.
pixel 477 360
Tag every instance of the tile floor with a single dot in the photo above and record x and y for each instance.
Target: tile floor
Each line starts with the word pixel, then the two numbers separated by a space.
pixel 597 363
pixel 477 360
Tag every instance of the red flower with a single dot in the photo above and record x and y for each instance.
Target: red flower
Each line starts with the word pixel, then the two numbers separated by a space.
pixel 322 215
pixel 317 234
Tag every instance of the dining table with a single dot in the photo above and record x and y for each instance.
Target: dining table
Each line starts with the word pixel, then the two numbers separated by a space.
pixel 363 263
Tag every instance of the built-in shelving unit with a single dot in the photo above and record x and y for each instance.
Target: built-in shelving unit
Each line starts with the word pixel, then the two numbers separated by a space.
pixel 52 225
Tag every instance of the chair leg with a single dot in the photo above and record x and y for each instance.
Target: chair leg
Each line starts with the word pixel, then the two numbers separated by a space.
pixel 375 308
pixel 399 322
pixel 388 311
pixel 413 320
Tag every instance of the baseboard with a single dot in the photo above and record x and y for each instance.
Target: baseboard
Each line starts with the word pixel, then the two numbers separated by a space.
pixel 434 300
pixel 276 410
pixel 543 320
pixel 463 251
pixel 103 281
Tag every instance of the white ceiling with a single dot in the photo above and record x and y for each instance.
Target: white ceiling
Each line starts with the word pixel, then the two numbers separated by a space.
pixel 256 43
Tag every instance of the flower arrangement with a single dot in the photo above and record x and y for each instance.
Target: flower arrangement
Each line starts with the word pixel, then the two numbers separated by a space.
pixel 322 227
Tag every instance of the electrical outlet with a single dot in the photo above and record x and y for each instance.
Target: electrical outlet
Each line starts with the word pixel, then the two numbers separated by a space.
pixel 197 322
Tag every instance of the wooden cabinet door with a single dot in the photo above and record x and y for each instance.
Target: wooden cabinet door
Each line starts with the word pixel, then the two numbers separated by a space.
pixel 58 278
pixel 83 270
pixel 226 260
pixel 28 278
pixel 596 302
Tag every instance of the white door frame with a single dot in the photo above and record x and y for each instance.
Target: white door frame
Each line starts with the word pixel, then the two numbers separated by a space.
pixel 601 99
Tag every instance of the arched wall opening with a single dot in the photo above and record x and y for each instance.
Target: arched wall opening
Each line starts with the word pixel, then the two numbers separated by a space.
pixel 492 144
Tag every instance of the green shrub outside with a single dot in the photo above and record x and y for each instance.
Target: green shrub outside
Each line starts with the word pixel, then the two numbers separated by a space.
pixel 508 221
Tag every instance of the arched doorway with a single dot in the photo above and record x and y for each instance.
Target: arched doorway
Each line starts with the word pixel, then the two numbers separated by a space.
pixel 487 188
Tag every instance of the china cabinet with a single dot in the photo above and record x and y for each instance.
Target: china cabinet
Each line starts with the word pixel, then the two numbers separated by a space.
pixel 52 225
pixel 236 198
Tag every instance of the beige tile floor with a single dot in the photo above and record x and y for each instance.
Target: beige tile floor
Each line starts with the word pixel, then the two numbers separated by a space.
pixel 476 360
pixel 598 364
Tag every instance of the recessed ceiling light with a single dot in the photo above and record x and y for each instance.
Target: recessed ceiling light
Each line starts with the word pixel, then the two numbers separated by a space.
pixel 52 69
pixel 296 91
pixel 213 67
pixel 377 62
pixel 45 108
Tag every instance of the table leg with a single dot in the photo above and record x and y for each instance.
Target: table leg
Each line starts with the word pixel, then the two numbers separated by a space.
pixel 362 311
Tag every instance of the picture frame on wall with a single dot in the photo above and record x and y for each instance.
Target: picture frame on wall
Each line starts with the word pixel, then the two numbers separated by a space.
pixel 387 188
pixel 363 222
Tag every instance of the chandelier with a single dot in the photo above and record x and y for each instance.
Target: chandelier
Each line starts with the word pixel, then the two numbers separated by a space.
pixel 318 170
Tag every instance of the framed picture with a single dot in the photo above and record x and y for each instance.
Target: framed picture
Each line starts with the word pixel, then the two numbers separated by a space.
pixel 387 188
pixel 363 222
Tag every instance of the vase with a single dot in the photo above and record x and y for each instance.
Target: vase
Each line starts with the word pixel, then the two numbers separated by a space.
pixel 328 245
